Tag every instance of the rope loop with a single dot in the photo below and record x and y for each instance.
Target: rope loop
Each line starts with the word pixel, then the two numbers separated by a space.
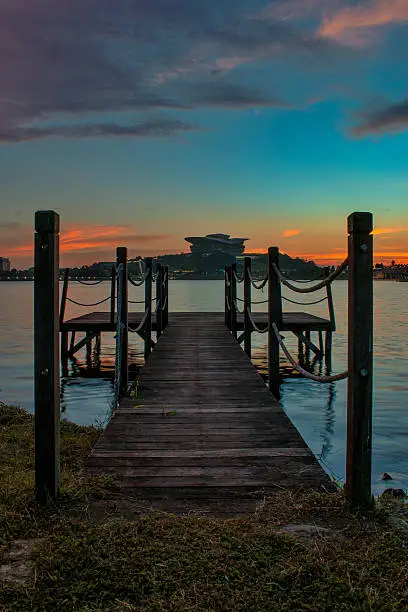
pixel 137 329
pixel 298 368
pixel 253 301
pixel 237 278
pixel 236 307
pixel 328 280
pixel 88 305
pixel 136 283
pixel 304 303
pixel 254 325
pixel 260 285
pixel 90 283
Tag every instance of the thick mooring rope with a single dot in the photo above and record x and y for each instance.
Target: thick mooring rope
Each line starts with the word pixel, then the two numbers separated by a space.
pixel 254 325
pixel 256 285
pixel 328 280
pixel 137 329
pixel 298 368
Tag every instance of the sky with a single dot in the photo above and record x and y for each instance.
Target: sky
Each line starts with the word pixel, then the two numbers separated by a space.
pixel 144 121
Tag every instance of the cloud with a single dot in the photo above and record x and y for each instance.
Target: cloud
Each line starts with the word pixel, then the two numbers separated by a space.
pixel 291 232
pixel 392 118
pixel 86 238
pixel 58 64
pixel 380 231
pixel 233 96
pixel 154 128
pixel 353 25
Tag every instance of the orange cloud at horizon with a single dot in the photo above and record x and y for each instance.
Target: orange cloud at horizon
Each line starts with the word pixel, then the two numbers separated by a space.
pixel 378 231
pixel 88 239
pixel 87 243
pixel 291 232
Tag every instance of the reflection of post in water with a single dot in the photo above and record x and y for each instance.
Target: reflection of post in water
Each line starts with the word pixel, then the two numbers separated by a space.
pixel 96 356
pixel 330 419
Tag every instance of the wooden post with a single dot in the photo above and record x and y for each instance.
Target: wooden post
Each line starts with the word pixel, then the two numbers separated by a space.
pixel 113 296
pixel 247 306
pixel 148 306
pixel 330 303
pixel 360 359
pixel 88 348
pixel 46 356
pixel 121 258
pixel 165 294
pixel 64 297
pixel 227 305
pixel 274 316
pixel 307 347
pixel 159 302
pixel 321 349
pixel 233 299
pixel 300 348
pixel 72 343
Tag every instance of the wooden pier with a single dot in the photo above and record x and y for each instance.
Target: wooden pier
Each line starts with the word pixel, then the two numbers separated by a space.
pixel 203 431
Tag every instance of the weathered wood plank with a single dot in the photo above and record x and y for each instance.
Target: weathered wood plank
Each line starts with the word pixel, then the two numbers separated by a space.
pixel 204 426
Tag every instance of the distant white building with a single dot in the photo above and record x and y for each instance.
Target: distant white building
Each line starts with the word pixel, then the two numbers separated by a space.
pixel 4 264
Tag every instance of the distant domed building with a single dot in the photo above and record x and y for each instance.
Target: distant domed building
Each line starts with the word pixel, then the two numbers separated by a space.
pixel 216 243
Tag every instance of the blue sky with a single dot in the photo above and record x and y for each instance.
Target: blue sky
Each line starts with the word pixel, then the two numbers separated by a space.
pixel 142 121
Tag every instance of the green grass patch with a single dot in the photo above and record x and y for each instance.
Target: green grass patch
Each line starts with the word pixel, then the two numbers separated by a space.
pixel 157 561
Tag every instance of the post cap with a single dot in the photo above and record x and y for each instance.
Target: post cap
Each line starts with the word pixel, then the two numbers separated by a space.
pixel 121 254
pixel 360 223
pixel 273 252
pixel 47 221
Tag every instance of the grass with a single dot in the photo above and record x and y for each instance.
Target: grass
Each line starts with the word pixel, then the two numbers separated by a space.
pixel 157 561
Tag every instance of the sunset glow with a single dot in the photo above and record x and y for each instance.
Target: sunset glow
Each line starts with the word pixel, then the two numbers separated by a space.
pixel 272 120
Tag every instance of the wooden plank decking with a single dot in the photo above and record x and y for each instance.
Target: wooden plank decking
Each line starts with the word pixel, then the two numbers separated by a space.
pixel 204 433
pixel 100 321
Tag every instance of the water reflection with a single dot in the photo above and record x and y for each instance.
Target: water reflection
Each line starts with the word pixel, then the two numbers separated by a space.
pixel 317 410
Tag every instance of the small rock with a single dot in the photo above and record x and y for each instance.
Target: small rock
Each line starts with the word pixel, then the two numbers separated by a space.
pixel 308 531
pixel 386 476
pixel 396 493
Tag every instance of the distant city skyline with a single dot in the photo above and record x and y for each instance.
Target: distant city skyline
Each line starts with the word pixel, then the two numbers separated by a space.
pixel 142 123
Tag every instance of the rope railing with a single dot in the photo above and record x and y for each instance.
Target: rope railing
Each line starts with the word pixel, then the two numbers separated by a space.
pixel 253 301
pixel 298 368
pixel 136 330
pixel 328 280
pixel 256 285
pixel 137 283
pixel 90 283
pixel 88 305
pixel 237 278
pixel 297 280
pixel 323 299
pixel 140 301
pixel 237 309
pixel 254 325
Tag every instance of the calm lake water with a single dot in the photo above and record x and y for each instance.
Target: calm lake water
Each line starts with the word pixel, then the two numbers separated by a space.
pixel 318 410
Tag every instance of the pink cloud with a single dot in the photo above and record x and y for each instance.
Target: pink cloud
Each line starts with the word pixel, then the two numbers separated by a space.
pixel 291 232
pixel 353 25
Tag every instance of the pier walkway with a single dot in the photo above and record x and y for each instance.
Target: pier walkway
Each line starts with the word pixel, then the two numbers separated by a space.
pixel 202 430
pixel 199 428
